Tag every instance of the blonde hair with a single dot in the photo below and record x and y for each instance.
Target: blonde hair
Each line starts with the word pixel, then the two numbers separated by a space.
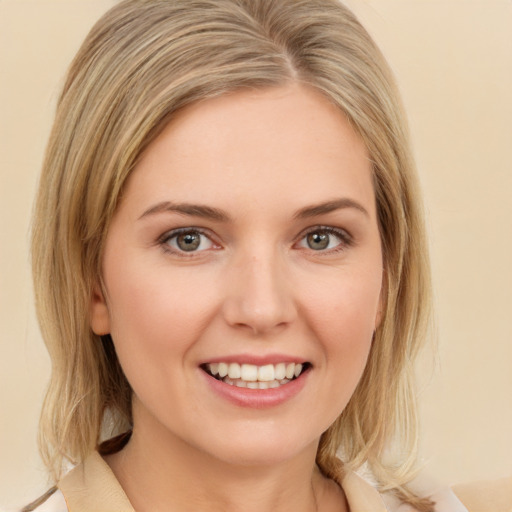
pixel 142 62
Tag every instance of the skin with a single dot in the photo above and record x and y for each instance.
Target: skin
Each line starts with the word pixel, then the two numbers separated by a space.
pixel 253 288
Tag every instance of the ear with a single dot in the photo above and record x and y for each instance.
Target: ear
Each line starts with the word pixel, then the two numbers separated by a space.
pixel 99 314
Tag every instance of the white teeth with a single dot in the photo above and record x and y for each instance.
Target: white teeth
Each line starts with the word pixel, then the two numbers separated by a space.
pixel 250 376
pixel 266 373
pixel 280 371
pixel 249 372
pixel 234 371
pixel 223 370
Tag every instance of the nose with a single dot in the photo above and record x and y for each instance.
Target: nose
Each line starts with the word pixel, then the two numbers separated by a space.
pixel 259 295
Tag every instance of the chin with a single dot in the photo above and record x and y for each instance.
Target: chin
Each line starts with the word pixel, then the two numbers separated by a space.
pixel 261 449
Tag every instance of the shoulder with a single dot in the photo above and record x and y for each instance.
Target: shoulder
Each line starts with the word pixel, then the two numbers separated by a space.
pixel 362 495
pixel 93 486
pixel 55 503
pixel 486 495
pixel 51 501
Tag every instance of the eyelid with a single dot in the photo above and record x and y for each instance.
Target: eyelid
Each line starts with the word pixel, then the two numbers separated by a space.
pixel 172 233
pixel 345 237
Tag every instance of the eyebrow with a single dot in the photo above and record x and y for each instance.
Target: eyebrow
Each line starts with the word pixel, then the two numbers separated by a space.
pixel 194 210
pixel 209 212
pixel 328 207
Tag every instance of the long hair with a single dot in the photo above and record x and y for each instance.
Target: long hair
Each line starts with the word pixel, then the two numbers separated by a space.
pixel 141 63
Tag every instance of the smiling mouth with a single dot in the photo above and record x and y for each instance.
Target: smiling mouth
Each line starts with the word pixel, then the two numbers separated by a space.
pixel 251 376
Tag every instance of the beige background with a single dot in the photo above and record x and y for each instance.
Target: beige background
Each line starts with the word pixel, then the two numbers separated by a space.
pixel 453 60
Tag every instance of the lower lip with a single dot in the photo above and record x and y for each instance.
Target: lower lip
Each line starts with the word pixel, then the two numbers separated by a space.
pixel 257 398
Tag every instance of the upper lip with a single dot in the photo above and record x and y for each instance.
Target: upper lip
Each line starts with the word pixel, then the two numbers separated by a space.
pixel 257 360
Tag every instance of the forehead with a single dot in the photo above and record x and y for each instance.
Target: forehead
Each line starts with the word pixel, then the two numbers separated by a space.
pixel 272 144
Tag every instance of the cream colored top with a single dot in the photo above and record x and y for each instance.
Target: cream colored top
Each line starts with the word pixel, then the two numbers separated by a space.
pixel 92 487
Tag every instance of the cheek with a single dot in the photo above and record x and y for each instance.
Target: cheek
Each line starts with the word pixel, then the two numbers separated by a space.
pixel 347 303
pixel 153 314
pixel 343 315
pixel 347 337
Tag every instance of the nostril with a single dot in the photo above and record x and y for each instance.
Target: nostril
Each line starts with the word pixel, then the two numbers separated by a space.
pixel 258 304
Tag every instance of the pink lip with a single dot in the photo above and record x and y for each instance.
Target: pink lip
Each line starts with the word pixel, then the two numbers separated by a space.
pixel 257 398
pixel 257 360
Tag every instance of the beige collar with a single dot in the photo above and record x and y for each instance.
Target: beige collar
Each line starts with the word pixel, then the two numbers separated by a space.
pixel 92 486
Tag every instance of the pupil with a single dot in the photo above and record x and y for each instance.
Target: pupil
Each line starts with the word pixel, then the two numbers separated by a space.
pixel 189 241
pixel 318 241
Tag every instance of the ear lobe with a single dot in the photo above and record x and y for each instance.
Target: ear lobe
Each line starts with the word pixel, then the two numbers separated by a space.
pixel 99 314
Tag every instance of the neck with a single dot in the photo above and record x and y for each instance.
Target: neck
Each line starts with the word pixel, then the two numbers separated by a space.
pixel 168 474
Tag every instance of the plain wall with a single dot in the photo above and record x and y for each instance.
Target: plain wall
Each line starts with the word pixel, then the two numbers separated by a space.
pixel 453 61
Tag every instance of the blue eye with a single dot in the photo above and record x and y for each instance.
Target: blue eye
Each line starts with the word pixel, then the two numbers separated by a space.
pixel 187 240
pixel 325 239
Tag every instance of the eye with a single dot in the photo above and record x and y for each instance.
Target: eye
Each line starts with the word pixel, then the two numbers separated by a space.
pixel 187 240
pixel 325 239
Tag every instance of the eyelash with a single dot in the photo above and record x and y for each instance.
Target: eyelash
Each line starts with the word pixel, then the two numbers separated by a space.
pixel 345 238
pixel 164 240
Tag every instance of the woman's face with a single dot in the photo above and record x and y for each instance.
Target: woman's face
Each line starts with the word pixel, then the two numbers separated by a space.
pixel 246 242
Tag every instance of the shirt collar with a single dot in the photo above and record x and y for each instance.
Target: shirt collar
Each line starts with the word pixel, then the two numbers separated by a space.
pixel 93 486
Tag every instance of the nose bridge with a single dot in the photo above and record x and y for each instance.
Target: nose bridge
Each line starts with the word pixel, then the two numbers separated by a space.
pixel 259 296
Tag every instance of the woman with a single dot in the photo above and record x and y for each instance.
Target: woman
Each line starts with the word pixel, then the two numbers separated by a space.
pixel 230 265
